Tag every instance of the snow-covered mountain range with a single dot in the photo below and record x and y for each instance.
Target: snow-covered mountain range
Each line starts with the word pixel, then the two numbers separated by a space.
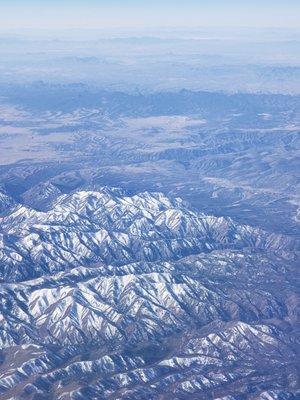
pixel 106 295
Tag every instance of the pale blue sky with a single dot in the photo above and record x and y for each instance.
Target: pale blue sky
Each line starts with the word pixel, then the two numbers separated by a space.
pixel 65 14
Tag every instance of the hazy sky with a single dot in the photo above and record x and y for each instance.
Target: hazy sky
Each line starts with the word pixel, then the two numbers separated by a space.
pixel 60 14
